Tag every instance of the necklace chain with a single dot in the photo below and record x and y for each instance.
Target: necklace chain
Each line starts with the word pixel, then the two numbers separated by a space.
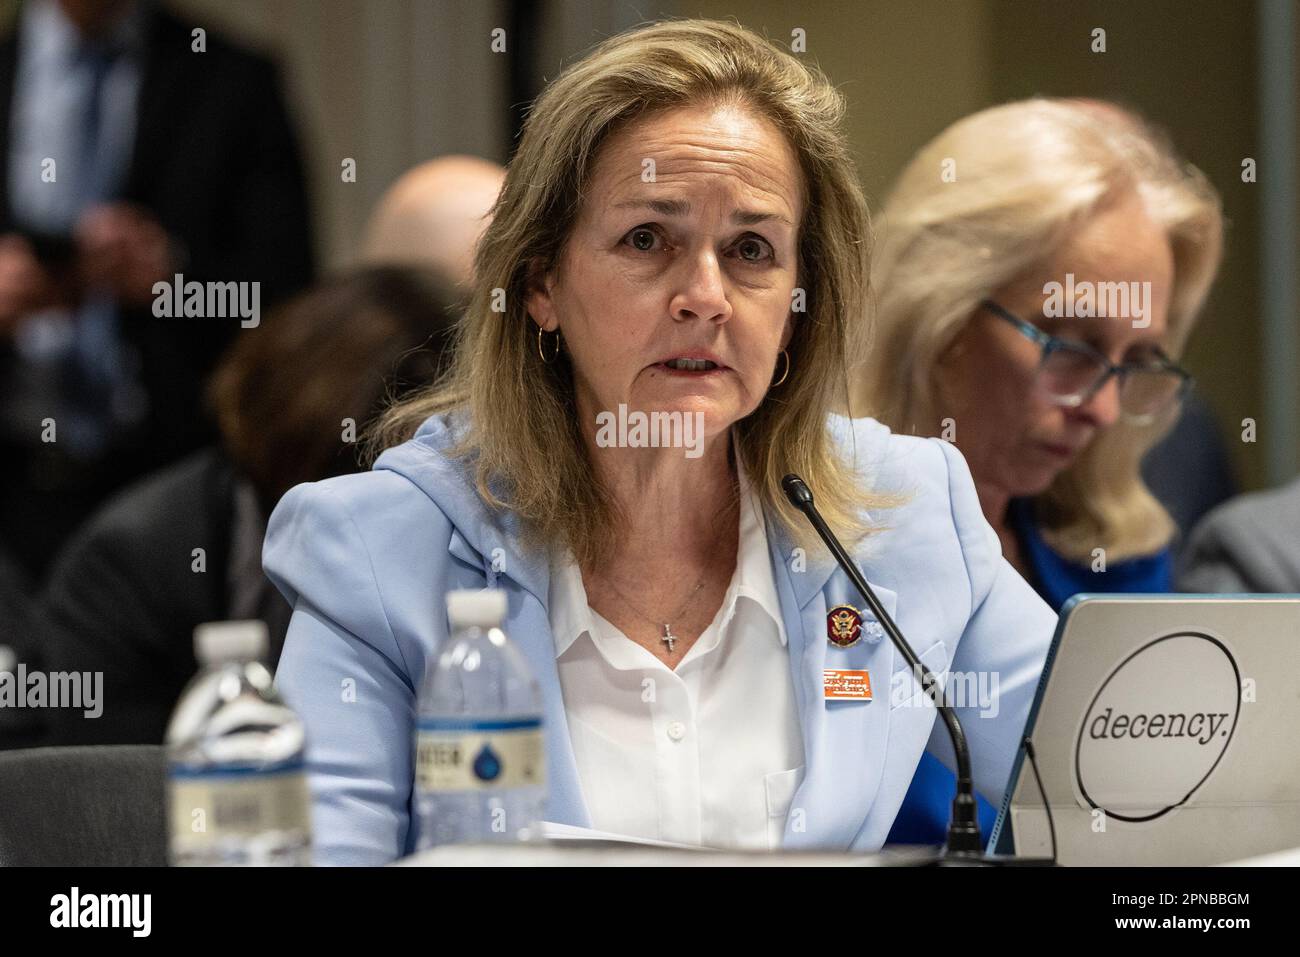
pixel 665 624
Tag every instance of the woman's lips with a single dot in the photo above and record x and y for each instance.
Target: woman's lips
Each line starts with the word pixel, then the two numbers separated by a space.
pixel 690 373
pixel 1059 451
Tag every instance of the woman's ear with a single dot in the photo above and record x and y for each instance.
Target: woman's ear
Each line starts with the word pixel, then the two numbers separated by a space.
pixel 537 297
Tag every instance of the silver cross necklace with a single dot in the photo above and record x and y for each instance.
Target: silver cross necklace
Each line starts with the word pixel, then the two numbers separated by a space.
pixel 668 638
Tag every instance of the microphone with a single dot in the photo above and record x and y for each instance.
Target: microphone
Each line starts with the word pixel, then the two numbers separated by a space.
pixel 963 826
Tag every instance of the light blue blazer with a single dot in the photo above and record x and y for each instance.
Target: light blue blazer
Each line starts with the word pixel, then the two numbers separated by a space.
pixel 366 560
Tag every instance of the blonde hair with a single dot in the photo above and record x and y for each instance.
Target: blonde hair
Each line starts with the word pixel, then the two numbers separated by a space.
pixel 523 435
pixel 1027 174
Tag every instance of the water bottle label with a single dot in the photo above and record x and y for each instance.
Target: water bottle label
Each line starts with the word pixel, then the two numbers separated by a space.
pixel 209 805
pixel 476 755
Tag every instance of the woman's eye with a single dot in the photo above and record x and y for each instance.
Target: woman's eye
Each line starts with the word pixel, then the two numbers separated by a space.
pixel 642 239
pixel 753 249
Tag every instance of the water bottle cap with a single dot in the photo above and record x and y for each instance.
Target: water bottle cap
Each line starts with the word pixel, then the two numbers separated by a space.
pixel 483 607
pixel 218 641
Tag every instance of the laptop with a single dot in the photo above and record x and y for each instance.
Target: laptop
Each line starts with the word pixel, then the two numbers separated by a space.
pixel 1166 731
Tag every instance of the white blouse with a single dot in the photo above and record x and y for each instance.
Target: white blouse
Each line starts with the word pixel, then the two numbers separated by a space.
pixel 707 754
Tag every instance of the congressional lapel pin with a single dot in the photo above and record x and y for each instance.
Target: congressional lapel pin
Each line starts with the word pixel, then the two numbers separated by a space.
pixel 843 626
pixel 846 683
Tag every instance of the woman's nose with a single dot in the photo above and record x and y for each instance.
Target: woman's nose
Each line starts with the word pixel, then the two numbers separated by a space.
pixel 703 294
pixel 1102 409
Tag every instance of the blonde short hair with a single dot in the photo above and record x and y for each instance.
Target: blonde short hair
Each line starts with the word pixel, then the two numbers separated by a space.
pixel 1027 174
pixel 524 438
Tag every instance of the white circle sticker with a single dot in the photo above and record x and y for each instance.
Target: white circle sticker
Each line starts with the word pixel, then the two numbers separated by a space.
pixel 1158 726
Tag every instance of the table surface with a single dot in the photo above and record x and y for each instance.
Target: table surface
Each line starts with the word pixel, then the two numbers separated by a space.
pixel 569 853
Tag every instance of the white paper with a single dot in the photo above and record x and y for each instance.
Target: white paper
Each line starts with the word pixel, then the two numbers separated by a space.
pixel 570 832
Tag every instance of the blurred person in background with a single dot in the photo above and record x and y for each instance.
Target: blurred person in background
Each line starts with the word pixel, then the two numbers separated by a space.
pixel 1188 469
pixel 1248 545
pixel 130 155
pixel 434 214
pixel 1053 410
pixel 184 546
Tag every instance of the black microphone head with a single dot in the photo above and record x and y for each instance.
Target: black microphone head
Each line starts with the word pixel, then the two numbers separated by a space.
pixel 797 491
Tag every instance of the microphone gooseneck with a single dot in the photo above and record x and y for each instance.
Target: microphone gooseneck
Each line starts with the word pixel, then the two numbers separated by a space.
pixel 963 827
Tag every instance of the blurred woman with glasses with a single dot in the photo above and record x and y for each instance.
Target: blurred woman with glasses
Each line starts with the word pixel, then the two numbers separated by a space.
pixel 1039 266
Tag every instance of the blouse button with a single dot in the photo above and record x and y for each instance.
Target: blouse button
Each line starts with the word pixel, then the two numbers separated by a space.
pixel 676 730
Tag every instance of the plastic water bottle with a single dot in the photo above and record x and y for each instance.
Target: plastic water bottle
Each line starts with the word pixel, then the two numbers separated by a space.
pixel 480 770
pixel 236 779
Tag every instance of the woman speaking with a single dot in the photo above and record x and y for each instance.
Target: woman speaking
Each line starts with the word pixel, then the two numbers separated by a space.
pixel 681 232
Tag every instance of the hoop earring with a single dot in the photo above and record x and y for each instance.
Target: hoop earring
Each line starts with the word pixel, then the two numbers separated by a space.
pixel 541 353
pixel 785 373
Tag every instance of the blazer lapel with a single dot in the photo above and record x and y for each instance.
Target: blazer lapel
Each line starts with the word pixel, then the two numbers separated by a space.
pixel 845 741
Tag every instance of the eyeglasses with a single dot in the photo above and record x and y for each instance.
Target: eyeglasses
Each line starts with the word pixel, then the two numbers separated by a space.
pixel 1071 373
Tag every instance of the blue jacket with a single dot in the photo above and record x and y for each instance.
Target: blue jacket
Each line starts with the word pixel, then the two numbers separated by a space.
pixel 365 560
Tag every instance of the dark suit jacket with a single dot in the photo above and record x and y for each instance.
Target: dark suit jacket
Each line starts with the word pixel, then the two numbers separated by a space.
pixel 124 599
pixel 216 161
